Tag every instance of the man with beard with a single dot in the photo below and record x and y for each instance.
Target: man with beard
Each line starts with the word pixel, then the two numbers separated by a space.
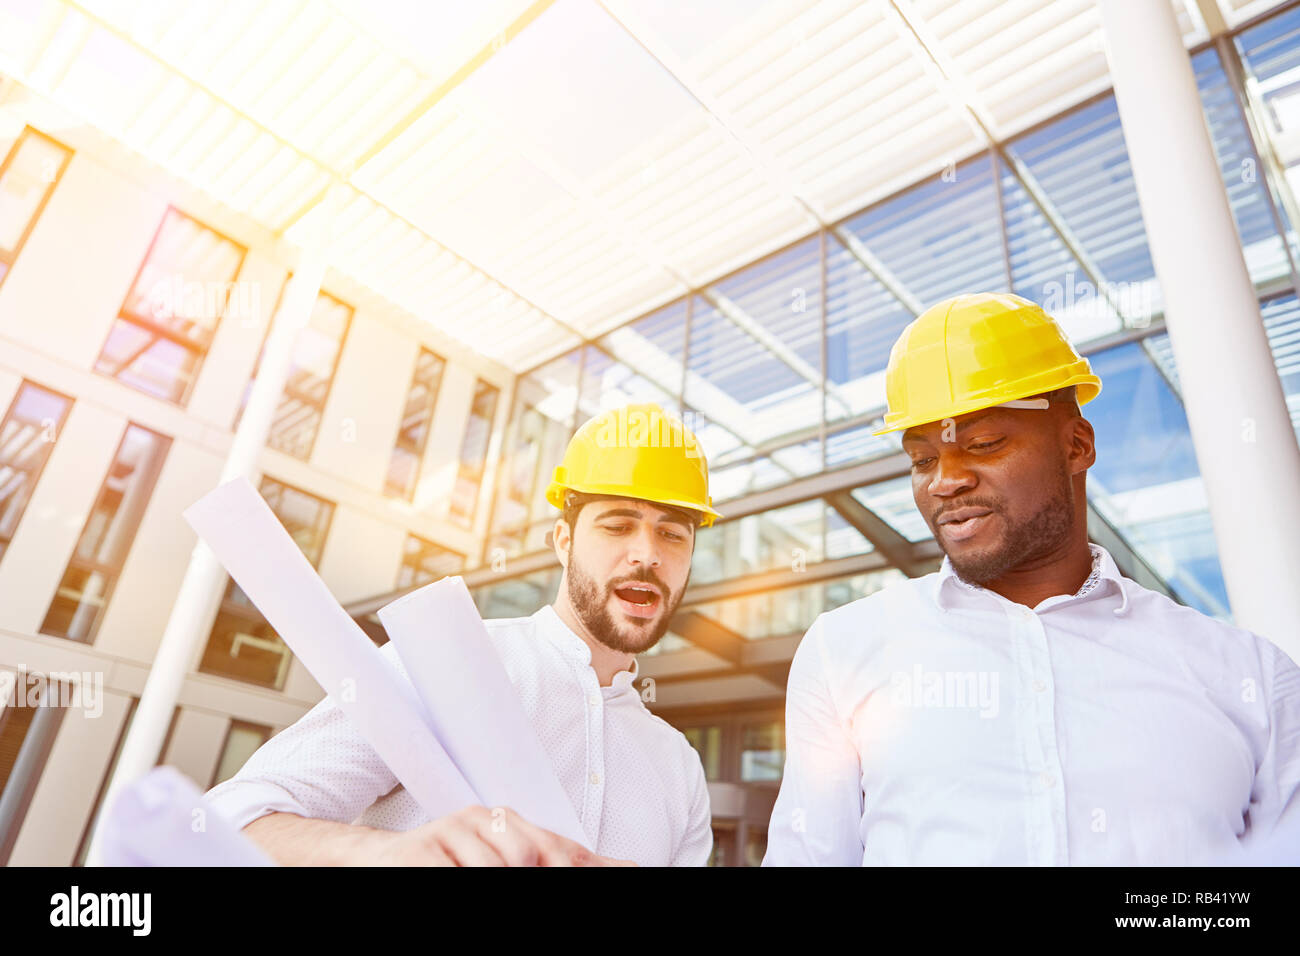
pixel 633 489
pixel 1026 704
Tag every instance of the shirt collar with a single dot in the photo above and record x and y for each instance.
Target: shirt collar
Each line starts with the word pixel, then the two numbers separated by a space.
pixel 1105 576
pixel 575 648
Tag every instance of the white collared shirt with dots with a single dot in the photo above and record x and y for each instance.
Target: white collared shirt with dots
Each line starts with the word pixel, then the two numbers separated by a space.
pixel 637 785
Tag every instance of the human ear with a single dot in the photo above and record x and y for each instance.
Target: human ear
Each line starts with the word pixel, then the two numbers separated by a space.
pixel 561 537
pixel 1081 447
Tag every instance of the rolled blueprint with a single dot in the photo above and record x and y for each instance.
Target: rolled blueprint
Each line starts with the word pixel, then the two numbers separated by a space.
pixel 162 820
pixel 254 547
pixel 473 707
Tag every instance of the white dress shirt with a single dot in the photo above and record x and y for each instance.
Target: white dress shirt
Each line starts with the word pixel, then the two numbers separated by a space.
pixel 935 722
pixel 636 783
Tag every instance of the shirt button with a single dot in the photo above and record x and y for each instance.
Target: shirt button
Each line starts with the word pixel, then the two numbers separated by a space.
pixel 593 701
pixel 1049 780
pixel 1040 686
pixel 595 779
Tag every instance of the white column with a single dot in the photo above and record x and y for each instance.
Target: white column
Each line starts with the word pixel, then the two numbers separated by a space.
pixel 205 579
pixel 1236 409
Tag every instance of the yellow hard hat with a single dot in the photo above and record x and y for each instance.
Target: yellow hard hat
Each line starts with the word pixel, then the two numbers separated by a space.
pixel 976 351
pixel 637 451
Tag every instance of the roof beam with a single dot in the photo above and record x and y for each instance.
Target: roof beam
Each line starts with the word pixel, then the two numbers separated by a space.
pixel 765 164
pixel 952 82
pixel 896 548
pixel 338 177
pixel 1210 15
pixel 707 634
pixel 464 72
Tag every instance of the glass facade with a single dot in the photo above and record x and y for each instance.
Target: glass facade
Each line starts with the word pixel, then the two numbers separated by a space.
pixel 779 365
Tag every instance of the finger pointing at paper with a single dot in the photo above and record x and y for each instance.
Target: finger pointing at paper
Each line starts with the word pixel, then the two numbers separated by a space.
pixel 479 836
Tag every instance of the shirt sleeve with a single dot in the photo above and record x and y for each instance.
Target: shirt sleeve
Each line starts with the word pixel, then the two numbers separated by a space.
pixel 818 813
pixel 1274 812
pixel 319 767
pixel 697 844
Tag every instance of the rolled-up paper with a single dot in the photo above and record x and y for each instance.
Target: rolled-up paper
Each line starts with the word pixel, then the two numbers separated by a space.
pixel 162 820
pixel 265 562
pixel 473 707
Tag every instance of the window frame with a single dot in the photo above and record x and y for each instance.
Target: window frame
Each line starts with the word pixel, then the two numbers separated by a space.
pixel 469 516
pixel 111 573
pixel 248 612
pixel 152 327
pixel 225 743
pixel 418 452
pixel 8 259
pixel 36 475
pixel 406 564
pixel 329 387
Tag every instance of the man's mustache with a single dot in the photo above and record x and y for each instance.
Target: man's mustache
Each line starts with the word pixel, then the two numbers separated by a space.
pixel 963 502
pixel 644 576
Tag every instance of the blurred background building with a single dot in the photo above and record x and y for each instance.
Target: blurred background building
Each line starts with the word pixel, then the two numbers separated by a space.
pixel 544 210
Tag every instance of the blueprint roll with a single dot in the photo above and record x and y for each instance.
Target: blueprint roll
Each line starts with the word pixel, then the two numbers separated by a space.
pixel 473 707
pixel 162 820
pixel 250 542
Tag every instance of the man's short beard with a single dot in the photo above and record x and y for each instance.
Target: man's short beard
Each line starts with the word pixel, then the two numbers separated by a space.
pixel 591 604
pixel 1038 535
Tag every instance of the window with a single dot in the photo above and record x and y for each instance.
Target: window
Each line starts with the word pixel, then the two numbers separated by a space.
pixel 315 359
pixel 27 435
pixel 159 339
pixel 545 400
pixel 83 847
pixel 242 740
pixel 29 722
pixel 473 453
pixel 28 176
pixel 404 466
pixel 517 597
pixel 242 645
pixel 708 742
pixel 762 751
pixel 724 843
pixel 425 561
pixel 15 718
pixel 87 585
pixel 755 845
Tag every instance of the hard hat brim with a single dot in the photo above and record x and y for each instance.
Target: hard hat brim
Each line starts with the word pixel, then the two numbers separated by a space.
pixel 555 495
pixel 1087 387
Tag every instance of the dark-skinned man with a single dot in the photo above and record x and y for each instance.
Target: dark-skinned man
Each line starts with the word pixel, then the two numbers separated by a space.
pixel 1026 704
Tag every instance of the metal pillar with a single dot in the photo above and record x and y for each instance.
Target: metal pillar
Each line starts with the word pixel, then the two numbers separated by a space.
pixel 205 579
pixel 1236 409
pixel 26 773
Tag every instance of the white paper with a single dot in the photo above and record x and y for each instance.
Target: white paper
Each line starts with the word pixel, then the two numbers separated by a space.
pixel 254 547
pixel 162 820
pixel 474 708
